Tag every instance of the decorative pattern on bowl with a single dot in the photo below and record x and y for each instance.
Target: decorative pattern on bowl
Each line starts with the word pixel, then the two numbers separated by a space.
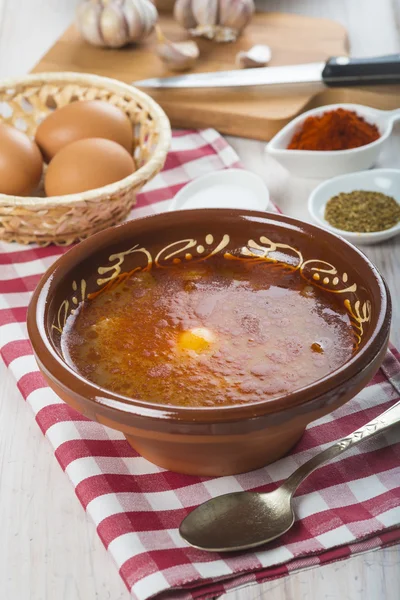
pixel 317 272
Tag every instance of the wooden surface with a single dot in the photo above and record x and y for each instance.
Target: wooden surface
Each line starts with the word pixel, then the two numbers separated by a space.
pixel 292 38
pixel 49 549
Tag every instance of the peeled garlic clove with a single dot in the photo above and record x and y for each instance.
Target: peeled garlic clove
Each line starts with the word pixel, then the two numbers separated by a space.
pixel 257 56
pixel 178 56
pixel 183 13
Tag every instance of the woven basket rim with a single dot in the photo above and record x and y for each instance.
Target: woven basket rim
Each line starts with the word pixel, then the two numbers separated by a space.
pixel 144 173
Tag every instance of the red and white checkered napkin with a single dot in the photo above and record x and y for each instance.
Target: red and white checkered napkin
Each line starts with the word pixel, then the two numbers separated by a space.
pixel 348 506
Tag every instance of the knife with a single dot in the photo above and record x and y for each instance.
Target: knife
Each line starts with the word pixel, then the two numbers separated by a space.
pixel 340 71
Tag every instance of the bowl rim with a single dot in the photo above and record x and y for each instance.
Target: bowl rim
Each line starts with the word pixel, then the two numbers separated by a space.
pixel 139 177
pixel 78 387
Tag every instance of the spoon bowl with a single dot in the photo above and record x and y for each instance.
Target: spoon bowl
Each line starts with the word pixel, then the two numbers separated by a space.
pixel 238 521
pixel 322 164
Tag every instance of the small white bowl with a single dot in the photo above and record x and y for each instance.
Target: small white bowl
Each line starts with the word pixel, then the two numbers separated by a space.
pixel 229 188
pixel 322 164
pixel 386 181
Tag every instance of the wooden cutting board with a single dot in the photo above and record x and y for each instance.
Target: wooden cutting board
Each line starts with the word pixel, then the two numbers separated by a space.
pixel 293 39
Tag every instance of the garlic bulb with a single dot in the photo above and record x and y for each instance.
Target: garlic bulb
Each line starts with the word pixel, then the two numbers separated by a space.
pixel 220 20
pixel 115 23
pixel 257 56
pixel 178 56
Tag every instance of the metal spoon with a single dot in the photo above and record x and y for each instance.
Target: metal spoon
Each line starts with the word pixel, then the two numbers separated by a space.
pixel 243 520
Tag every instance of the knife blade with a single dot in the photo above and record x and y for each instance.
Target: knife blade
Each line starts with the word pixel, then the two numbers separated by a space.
pixel 338 71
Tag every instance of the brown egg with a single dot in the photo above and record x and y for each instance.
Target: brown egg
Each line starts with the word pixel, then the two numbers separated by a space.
pixel 21 163
pixel 87 165
pixel 80 120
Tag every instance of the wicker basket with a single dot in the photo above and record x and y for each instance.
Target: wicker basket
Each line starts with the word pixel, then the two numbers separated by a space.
pixel 24 103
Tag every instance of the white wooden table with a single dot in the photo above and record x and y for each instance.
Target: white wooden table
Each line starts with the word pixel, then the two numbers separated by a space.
pixel 49 550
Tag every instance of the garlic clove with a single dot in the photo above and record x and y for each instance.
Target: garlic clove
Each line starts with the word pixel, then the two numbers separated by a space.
pixel 183 14
pixel 88 16
pixel 235 14
pixel 140 17
pixel 178 56
pixel 257 56
pixel 135 26
pixel 205 12
pixel 113 25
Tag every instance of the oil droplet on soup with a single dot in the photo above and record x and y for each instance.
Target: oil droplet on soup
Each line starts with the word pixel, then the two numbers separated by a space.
pixel 209 334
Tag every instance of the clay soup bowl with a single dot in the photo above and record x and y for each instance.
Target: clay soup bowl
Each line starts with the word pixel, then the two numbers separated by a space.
pixel 212 440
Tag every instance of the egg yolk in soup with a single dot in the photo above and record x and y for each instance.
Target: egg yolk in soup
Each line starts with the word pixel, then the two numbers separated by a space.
pixel 209 334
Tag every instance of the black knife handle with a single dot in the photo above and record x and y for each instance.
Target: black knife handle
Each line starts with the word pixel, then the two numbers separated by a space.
pixel 342 71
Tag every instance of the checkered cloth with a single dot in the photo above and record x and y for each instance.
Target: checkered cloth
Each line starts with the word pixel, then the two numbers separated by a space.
pixel 349 505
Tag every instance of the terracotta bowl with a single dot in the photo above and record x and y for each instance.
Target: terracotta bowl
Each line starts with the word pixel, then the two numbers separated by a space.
pixel 230 439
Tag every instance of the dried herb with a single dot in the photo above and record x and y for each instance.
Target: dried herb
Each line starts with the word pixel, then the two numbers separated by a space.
pixel 362 211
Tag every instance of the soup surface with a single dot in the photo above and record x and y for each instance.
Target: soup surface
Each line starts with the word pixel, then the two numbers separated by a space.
pixel 209 334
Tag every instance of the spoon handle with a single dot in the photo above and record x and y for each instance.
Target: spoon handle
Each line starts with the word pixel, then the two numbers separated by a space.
pixel 384 421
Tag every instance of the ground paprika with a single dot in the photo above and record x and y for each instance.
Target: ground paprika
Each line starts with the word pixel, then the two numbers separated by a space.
pixel 338 129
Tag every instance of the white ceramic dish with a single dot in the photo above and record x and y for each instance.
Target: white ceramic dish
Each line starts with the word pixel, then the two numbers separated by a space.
pixel 229 188
pixel 386 181
pixel 323 164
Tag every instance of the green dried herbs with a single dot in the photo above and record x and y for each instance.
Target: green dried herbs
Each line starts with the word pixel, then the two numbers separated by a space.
pixel 362 211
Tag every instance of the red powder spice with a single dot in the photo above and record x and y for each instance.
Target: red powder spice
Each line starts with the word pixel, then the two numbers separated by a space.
pixel 338 129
